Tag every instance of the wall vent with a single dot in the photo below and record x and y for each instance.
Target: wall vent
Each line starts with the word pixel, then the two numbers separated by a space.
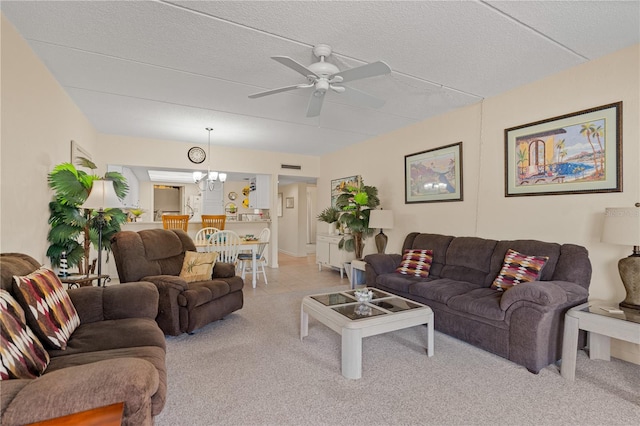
pixel 291 166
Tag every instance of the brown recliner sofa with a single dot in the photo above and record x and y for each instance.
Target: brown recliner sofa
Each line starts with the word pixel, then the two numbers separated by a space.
pixel 117 354
pixel 156 255
pixel 523 324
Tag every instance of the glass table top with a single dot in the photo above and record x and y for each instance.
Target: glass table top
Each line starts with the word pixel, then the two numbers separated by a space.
pixel 601 308
pixel 382 303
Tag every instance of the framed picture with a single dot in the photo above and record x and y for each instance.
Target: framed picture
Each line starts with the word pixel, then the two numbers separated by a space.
pixel 279 204
pixel 576 153
pixel 337 185
pixel 434 175
pixel 289 202
pixel 78 151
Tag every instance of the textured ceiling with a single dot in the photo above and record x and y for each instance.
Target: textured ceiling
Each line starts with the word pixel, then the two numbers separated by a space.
pixel 166 70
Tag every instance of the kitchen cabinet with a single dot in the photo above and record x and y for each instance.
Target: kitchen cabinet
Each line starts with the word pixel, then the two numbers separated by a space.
pixel 260 197
pixel 329 254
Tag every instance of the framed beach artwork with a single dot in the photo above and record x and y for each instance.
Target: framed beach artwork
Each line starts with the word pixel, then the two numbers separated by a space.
pixel 338 185
pixel 576 153
pixel 78 152
pixel 434 175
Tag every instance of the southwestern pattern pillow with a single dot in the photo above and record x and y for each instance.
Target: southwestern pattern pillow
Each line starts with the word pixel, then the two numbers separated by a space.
pixel 50 312
pixel 22 356
pixel 416 263
pixel 198 266
pixel 518 268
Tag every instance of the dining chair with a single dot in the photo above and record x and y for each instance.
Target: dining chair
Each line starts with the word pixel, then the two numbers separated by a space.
pixel 263 240
pixel 214 221
pixel 227 244
pixel 175 221
pixel 201 239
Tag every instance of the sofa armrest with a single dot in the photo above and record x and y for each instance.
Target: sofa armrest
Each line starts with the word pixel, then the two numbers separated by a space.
pixel 130 300
pixel 169 287
pixel 538 292
pixel 84 387
pixel 383 263
pixel 224 270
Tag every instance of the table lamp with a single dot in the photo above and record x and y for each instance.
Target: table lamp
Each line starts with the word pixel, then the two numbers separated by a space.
pixel 381 219
pixel 622 226
pixel 102 196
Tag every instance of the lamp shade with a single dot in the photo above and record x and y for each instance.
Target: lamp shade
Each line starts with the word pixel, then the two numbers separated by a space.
pixel 381 219
pixel 621 226
pixel 102 196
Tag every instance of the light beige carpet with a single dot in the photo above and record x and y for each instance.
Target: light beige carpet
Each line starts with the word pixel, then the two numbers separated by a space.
pixel 252 369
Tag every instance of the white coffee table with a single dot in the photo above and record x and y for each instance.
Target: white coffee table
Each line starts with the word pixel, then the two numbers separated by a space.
pixel 342 313
pixel 602 326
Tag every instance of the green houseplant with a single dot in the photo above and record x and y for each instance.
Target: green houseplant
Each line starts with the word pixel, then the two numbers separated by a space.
pixel 73 229
pixel 355 204
pixel 329 215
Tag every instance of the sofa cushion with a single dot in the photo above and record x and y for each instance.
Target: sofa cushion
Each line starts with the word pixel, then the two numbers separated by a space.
pixel 49 310
pixel 198 266
pixel 530 247
pixel 416 263
pixel 22 356
pixel 469 259
pixel 202 292
pixel 518 268
pixel 112 334
pixel 441 290
pixel 398 282
pixel 482 302
pixel 436 242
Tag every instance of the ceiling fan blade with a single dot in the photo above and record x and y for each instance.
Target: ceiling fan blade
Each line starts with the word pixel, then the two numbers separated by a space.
pixel 296 66
pixel 365 71
pixel 362 98
pixel 274 91
pixel 315 105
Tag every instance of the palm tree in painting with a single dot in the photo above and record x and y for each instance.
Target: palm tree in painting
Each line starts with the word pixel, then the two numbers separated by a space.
pixel 599 133
pixel 560 147
pixel 588 129
pixel 522 157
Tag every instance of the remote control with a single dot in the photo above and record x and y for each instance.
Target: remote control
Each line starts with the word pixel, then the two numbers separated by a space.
pixel 611 309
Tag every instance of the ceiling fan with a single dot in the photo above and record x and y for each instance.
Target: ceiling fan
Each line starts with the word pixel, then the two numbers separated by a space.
pixel 322 76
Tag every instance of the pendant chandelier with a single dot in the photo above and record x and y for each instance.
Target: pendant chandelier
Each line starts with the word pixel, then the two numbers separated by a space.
pixel 209 179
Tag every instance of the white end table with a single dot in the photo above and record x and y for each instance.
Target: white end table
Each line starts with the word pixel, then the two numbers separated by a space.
pixel 602 326
pixel 357 272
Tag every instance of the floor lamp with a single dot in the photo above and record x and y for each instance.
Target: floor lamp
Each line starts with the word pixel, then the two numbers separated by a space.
pixel 102 196
pixel 622 226
pixel 381 219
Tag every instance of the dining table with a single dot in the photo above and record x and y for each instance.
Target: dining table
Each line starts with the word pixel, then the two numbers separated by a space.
pixel 245 244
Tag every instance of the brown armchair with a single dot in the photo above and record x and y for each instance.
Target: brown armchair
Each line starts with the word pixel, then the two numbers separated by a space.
pixel 156 255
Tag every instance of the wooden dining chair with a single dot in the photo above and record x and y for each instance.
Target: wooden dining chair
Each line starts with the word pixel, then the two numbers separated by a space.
pixel 214 221
pixel 175 221
pixel 201 239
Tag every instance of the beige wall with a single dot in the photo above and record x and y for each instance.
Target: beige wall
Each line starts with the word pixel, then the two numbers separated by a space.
pixel 38 121
pixel 485 211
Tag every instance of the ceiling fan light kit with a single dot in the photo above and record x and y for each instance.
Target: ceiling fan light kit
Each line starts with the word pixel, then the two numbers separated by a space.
pixel 322 76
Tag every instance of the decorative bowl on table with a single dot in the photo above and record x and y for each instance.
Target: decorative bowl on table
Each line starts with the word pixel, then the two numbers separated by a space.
pixel 363 295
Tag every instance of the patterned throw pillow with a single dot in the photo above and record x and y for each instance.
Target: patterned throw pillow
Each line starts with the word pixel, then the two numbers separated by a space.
pixel 21 353
pixel 416 263
pixel 50 312
pixel 518 268
pixel 198 266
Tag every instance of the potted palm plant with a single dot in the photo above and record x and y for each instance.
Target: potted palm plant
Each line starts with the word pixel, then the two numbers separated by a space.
pixel 330 215
pixel 73 229
pixel 355 204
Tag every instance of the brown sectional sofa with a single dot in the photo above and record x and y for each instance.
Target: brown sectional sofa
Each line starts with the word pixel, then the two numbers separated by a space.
pixel 117 354
pixel 523 324
pixel 156 256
